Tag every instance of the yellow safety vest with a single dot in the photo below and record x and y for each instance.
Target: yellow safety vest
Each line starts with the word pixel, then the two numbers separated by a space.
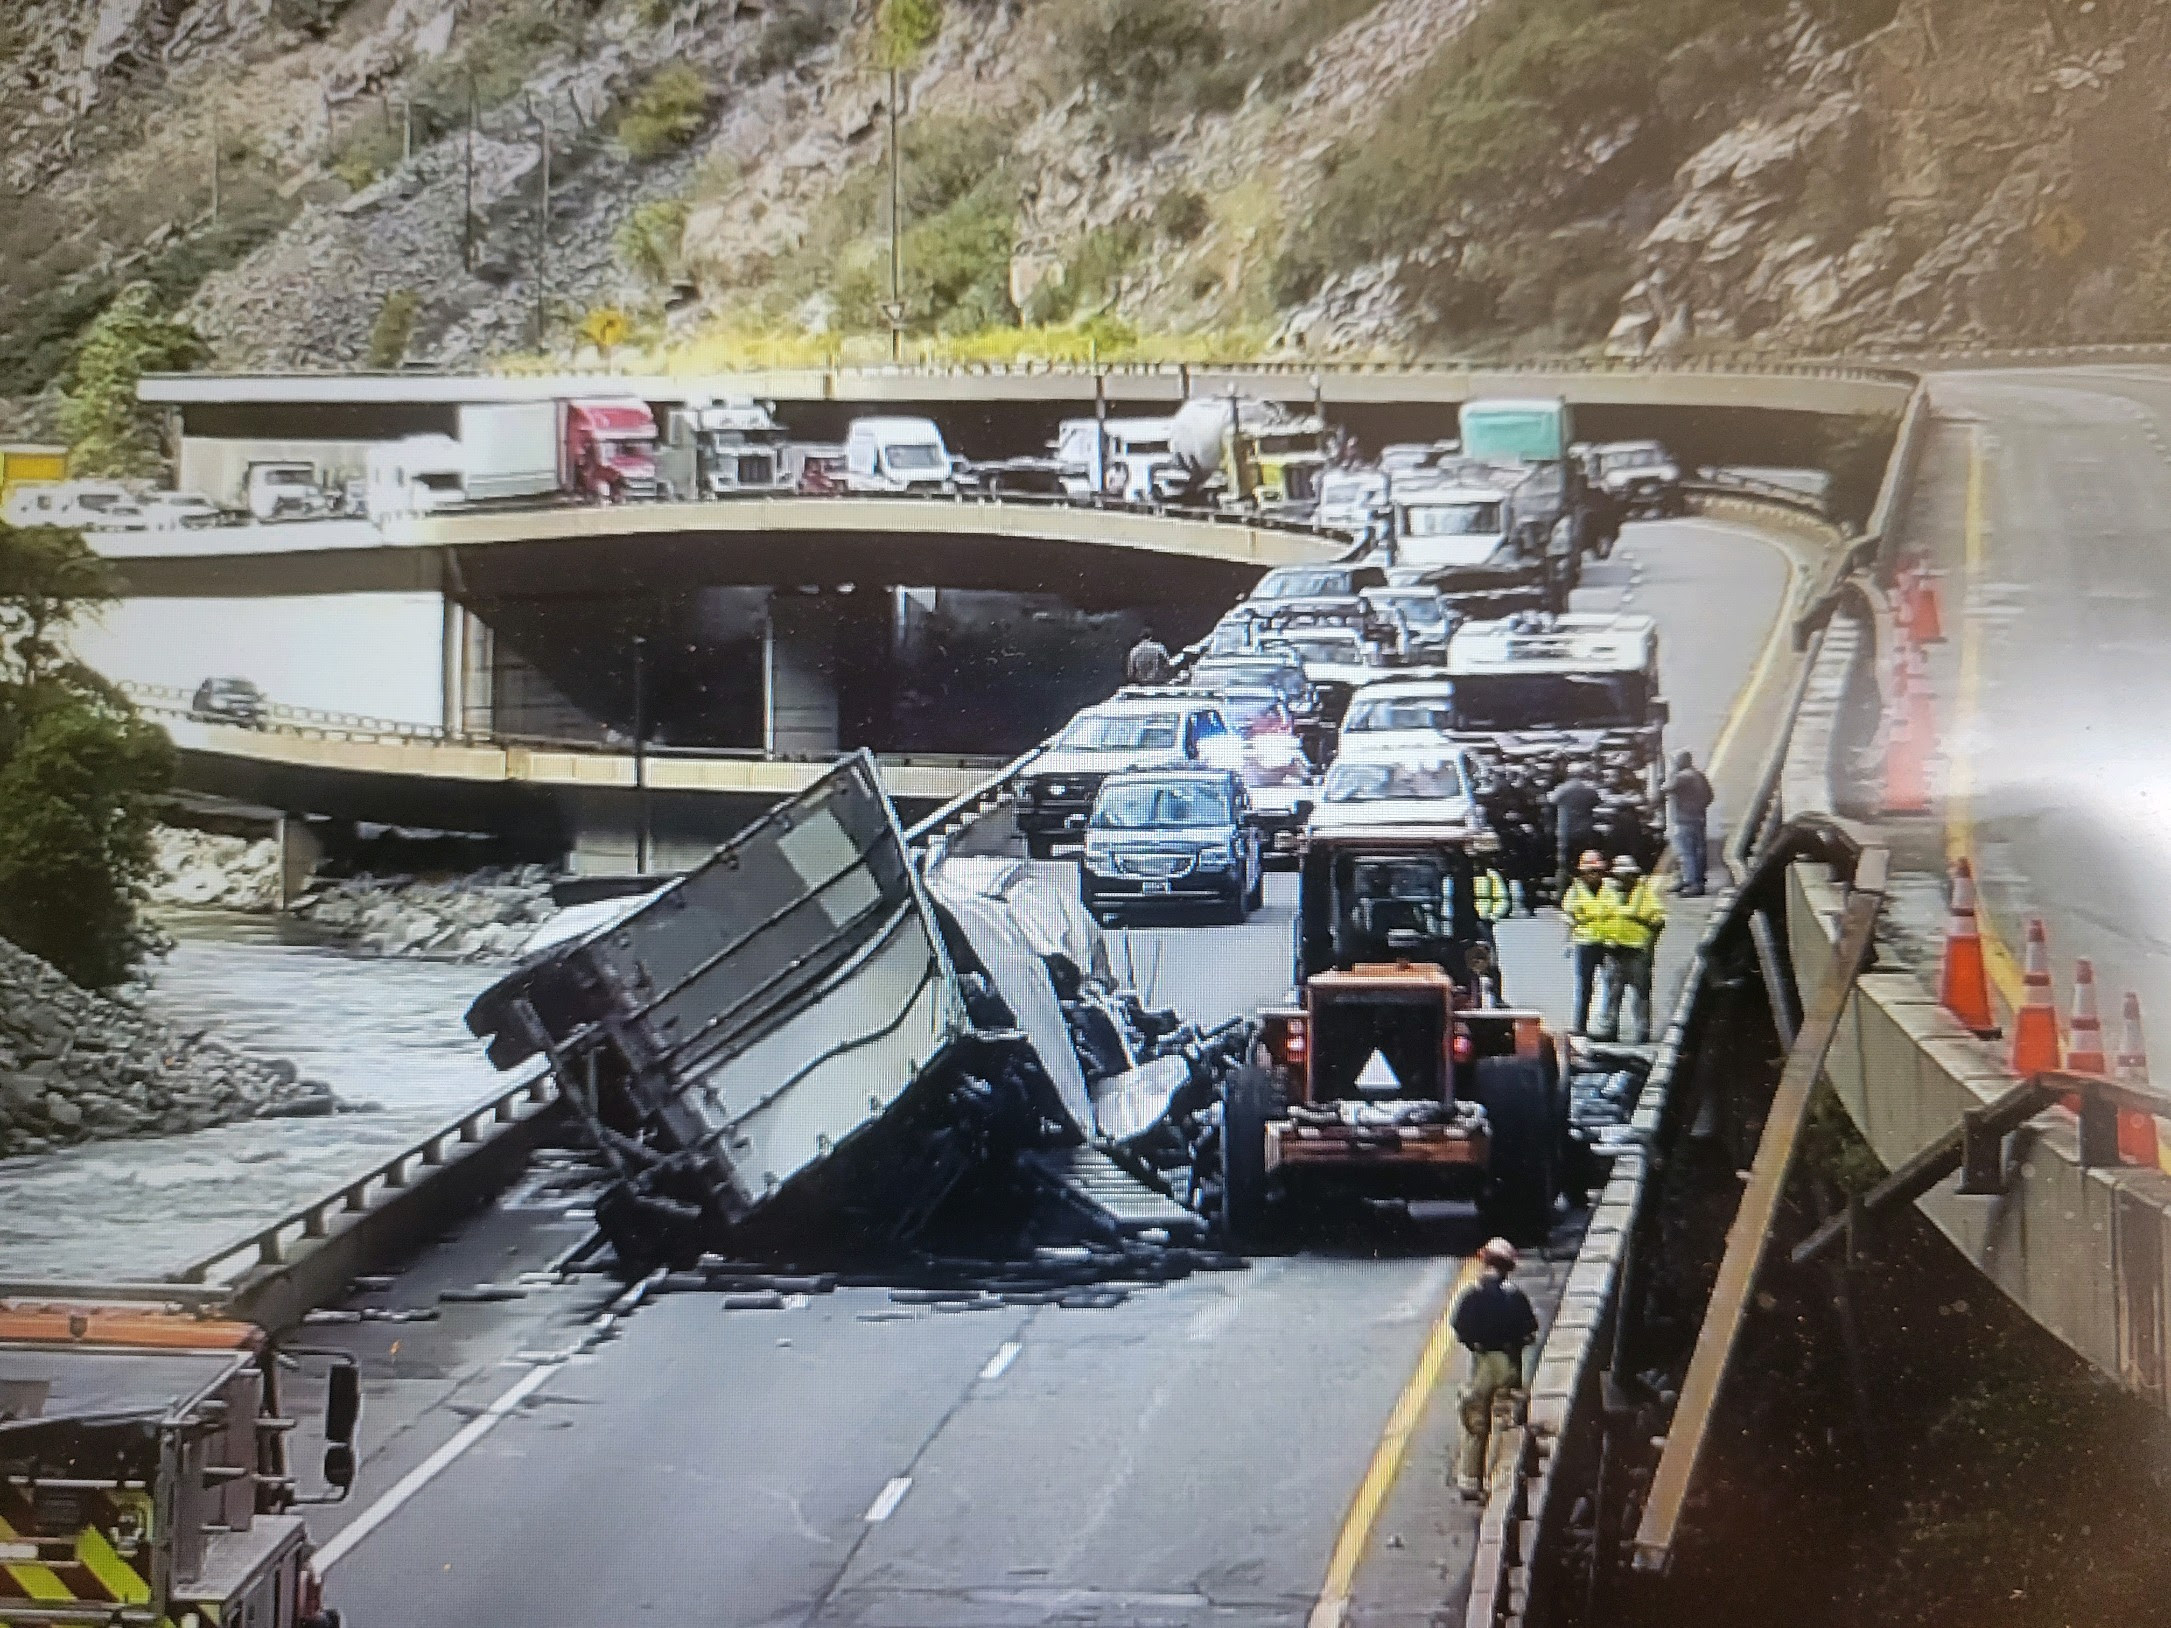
pixel 1590 911
pixel 1490 894
pixel 1637 919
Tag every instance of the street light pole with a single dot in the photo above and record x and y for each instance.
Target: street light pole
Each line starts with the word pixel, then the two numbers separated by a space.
pixel 897 261
pixel 640 754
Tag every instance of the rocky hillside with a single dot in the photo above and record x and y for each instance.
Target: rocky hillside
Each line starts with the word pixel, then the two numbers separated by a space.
pixel 1474 175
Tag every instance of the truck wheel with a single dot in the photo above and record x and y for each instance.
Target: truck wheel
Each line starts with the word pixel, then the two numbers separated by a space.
pixel 1257 894
pixel 1252 1097
pixel 1523 1106
pixel 1039 847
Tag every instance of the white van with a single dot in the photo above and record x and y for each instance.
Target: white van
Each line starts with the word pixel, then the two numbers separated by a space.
pixel 1135 448
pixel 417 475
pixel 897 455
pixel 76 505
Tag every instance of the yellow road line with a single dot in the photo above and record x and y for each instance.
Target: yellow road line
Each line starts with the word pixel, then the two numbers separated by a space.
pixel 1379 1476
pixel 1779 638
pixel 1959 786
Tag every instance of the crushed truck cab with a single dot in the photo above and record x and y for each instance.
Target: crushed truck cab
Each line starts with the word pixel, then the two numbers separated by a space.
pixel 1388 1076
pixel 144 1470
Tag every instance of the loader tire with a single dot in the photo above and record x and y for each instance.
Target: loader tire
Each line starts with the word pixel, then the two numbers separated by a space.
pixel 1251 1098
pixel 1523 1106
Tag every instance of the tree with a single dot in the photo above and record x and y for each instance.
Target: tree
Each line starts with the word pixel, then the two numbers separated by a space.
pixel 109 431
pixel 648 244
pixel 394 329
pixel 79 770
pixel 904 29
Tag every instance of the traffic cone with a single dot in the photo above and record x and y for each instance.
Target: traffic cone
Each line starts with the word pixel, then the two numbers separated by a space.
pixel 1927 626
pixel 2035 1025
pixel 2084 1049
pixel 1963 984
pixel 2140 1136
pixel 1907 743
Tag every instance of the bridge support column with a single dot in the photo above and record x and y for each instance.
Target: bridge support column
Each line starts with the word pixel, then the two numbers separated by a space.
pixel 799 677
pixel 468 660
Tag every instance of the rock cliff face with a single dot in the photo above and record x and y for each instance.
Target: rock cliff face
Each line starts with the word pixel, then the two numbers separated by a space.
pixel 1947 172
pixel 1980 173
pixel 76 1067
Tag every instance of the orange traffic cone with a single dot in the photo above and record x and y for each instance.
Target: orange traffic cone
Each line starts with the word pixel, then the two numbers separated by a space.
pixel 2084 1049
pixel 1927 626
pixel 1915 606
pixel 1907 743
pixel 2140 1136
pixel 2035 1025
pixel 1963 984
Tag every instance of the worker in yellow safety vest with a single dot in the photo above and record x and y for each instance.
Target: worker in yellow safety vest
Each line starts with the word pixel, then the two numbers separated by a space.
pixel 1638 918
pixel 1489 893
pixel 1588 904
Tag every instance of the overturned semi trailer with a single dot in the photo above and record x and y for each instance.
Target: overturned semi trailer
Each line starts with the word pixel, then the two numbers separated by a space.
pixel 806 1046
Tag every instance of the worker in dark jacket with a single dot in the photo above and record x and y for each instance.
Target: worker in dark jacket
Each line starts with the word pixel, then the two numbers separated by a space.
pixel 1688 798
pixel 1148 662
pixel 1575 819
pixel 1495 1322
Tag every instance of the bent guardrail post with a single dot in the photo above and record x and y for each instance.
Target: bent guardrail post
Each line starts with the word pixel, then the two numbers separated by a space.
pixel 1748 1238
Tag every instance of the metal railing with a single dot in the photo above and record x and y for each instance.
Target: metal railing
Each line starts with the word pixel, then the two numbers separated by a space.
pixel 269 1245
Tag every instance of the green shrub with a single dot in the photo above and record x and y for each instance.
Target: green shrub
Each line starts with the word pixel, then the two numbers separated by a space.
pixel 394 328
pixel 109 432
pixel 791 35
pixel 1150 61
pixel 905 28
pixel 666 113
pixel 1180 215
pixel 1092 273
pixel 648 243
pixel 498 58
pixel 78 771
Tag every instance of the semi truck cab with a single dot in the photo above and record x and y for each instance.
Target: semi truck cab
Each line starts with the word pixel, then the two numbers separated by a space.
pixel 610 450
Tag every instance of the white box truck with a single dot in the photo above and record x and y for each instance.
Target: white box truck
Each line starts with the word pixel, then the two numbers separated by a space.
pixel 510 450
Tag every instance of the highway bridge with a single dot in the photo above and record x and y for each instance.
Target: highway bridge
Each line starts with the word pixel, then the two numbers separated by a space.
pixel 1254 1448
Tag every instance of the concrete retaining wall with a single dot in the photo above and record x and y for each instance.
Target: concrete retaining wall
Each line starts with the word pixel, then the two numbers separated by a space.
pixel 2082 1251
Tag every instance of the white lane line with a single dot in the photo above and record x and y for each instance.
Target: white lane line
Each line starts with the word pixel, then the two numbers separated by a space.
pixel 887 1500
pixel 999 1364
pixel 430 1468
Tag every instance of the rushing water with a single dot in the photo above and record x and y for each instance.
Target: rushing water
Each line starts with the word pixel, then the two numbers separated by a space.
pixel 385 1034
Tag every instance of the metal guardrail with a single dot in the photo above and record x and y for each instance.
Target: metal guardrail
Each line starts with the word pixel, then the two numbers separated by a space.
pixel 271 1244
pixel 1749 489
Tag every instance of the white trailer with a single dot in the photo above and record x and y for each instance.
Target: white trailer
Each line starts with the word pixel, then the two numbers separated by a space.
pixel 511 450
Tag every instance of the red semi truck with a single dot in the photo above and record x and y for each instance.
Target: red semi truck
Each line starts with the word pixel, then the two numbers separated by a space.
pixel 609 450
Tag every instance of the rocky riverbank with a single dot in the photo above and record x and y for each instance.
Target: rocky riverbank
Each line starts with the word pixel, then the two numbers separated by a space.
pixel 201 870
pixel 76 1066
pixel 485 916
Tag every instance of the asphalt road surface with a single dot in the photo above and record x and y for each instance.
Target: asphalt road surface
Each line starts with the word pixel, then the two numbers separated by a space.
pixel 1193 1456
pixel 2043 499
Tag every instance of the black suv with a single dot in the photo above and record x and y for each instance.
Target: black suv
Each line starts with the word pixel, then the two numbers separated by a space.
pixel 1137 727
pixel 1171 836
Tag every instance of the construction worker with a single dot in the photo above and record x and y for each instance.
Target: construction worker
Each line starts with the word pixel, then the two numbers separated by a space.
pixel 1575 816
pixel 1639 916
pixel 1495 903
pixel 1495 1322
pixel 1148 662
pixel 1688 807
pixel 1589 906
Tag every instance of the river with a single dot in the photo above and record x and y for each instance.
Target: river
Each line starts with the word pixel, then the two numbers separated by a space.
pixel 387 1035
